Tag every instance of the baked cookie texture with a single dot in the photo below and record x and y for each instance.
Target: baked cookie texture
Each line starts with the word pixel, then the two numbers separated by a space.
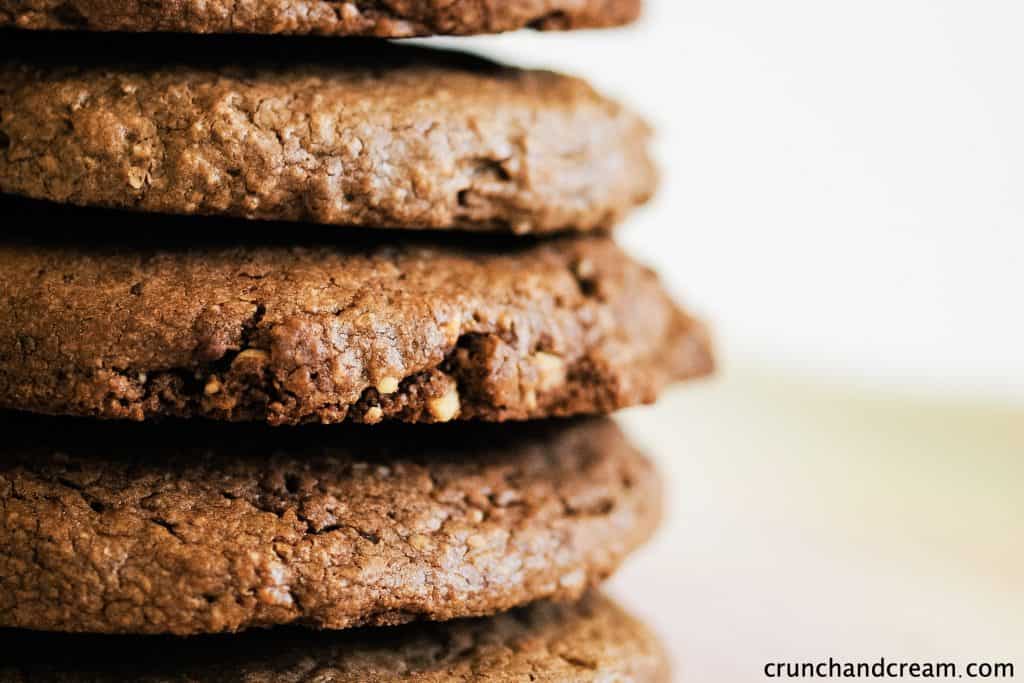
pixel 417 331
pixel 392 136
pixel 194 527
pixel 380 18
pixel 593 640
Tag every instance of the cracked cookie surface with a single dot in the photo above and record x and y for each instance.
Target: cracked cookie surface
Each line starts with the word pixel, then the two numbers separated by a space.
pixel 385 137
pixel 194 527
pixel 593 640
pixel 417 331
pixel 379 18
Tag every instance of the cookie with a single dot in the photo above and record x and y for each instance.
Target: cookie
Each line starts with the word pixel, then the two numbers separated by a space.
pixel 381 18
pixel 384 137
pixel 414 331
pixel 593 640
pixel 195 527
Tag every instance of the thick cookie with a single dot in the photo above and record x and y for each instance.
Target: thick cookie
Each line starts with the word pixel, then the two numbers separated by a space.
pixel 593 640
pixel 416 331
pixel 381 18
pixel 390 136
pixel 201 528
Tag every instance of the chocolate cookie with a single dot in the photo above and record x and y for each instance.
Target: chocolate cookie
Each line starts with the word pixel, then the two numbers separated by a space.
pixel 593 640
pixel 416 331
pixel 392 136
pixel 382 18
pixel 201 528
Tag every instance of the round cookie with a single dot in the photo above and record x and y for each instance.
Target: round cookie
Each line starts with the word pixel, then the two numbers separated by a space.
pixel 384 137
pixel 593 640
pixel 381 18
pixel 416 331
pixel 201 528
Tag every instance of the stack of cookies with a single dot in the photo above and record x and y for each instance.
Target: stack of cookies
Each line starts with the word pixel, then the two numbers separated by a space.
pixel 317 332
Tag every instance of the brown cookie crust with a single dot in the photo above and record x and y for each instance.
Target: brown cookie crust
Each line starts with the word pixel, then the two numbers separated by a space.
pixel 202 528
pixel 395 137
pixel 380 18
pixel 417 331
pixel 593 640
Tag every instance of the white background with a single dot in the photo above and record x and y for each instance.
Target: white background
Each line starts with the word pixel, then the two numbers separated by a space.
pixel 843 188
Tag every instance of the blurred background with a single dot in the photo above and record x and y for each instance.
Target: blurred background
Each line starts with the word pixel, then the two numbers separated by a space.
pixel 843 198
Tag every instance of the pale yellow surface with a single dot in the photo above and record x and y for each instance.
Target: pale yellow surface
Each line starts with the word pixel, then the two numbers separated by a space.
pixel 808 521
